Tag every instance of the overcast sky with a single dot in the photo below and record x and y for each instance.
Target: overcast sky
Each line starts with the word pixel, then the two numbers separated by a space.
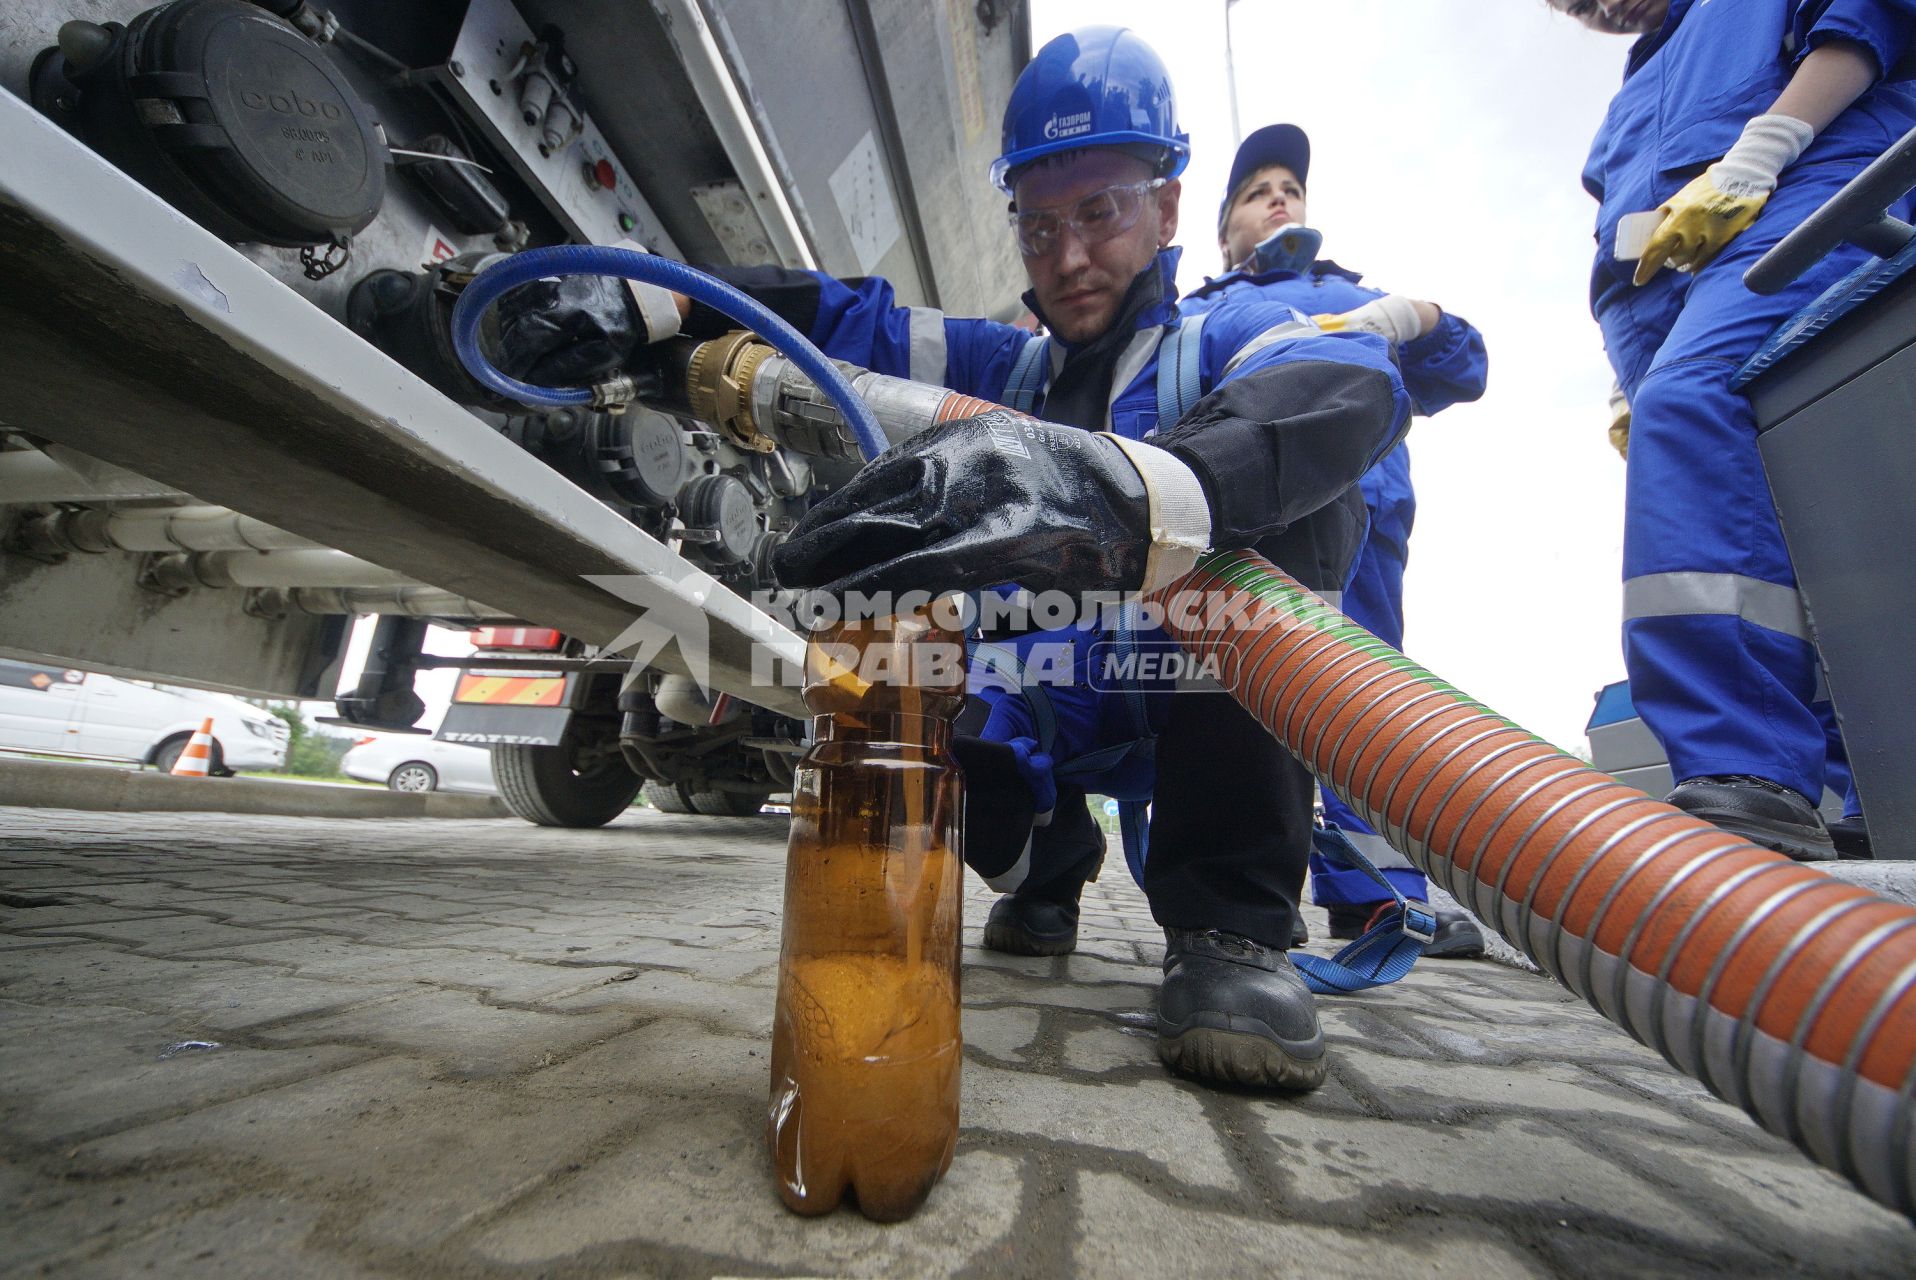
pixel 1447 137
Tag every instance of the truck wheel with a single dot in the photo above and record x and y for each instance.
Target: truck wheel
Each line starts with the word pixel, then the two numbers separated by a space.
pixel 541 785
pixel 729 804
pixel 667 797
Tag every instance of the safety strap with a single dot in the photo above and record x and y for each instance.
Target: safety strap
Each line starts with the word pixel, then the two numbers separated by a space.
pixel 1134 825
pixel 1180 372
pixel 1180 379
pixel 1027 376
pixel 1387 950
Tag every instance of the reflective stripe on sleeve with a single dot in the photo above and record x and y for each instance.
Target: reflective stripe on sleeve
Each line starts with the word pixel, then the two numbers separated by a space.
pixel 1296 327
pixel 928 345
pixel 1675 595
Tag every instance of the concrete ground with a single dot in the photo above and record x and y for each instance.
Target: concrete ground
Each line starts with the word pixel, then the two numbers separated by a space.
pixel 255 1046
pixel 118 788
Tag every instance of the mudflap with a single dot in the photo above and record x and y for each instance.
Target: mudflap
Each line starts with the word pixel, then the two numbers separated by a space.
pixel 528 709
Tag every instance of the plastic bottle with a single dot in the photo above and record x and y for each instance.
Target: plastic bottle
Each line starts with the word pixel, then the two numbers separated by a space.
pixel 865 1045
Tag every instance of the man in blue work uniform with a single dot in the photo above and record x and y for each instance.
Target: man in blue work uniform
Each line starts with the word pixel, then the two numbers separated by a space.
pixel 1284 421
pixel 1270 254
pixel 1734 123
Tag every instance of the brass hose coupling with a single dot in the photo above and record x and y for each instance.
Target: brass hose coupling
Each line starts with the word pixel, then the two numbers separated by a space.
pixel 718 387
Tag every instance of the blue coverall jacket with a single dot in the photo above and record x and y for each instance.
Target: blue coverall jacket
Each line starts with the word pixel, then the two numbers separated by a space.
pixel 1446 366
pixel 858 321
pixel 1272 441
pixel 1715 638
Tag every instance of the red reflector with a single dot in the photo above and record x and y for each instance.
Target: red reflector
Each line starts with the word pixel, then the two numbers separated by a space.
pixel 540 638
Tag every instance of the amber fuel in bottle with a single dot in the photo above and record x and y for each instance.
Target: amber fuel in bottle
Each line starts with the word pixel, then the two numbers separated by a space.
pixel 866 1047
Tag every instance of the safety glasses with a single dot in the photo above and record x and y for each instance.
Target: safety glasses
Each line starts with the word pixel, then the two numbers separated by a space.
pixel 1096 218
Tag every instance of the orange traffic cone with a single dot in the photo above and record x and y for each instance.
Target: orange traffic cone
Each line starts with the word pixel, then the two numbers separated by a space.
pixel 196 761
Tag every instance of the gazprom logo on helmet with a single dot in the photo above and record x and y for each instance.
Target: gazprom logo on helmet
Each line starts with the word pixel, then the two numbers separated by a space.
pixel 1067 126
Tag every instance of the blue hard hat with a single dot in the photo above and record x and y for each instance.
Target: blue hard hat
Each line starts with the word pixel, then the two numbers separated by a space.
pixel 1098 87
pixel 1283 144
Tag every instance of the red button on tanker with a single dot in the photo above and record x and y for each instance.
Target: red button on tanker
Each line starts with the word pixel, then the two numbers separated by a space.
pixel 604 174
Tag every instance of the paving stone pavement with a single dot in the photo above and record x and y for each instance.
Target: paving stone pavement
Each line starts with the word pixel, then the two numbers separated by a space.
pixel 244 1046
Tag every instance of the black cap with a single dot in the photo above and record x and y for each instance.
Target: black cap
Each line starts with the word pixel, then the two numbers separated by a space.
pixel 1283 144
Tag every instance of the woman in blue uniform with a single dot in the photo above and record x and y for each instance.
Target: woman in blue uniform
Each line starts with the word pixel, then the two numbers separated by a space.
pixel 1736 119
pixel 1269 256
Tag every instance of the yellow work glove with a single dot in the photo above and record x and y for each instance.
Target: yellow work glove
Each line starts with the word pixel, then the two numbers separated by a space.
pixel 1725 198
pixel 1390 317
pixel 1619 422
pixel 1697 222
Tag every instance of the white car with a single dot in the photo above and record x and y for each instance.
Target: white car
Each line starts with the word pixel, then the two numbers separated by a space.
pixel 54 710
pixel 413 762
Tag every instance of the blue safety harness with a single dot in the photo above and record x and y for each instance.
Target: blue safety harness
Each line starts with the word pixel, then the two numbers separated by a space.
pixel 1386 952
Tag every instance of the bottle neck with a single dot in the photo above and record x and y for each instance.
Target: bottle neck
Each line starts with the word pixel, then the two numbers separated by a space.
pixel 898 728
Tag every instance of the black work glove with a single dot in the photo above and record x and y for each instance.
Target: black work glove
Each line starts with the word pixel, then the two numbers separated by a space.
pixel 996 498
pixel 567 332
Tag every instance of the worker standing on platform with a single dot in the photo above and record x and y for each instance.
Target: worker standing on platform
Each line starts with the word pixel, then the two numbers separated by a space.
pixel 1734 123
pixel 1270 253
pixel 1282 419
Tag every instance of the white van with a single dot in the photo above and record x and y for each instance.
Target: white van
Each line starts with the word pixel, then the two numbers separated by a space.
pixel 56 710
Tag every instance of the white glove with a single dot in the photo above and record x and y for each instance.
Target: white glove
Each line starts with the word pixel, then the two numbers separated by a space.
pixel 1390 317
pixel 1769 145
pixel 1619 421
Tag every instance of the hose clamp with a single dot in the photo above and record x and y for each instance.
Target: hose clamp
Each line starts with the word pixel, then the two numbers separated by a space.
pixel 614 394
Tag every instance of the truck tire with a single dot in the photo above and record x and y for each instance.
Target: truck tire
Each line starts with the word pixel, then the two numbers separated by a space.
pixel 541 786
pixel 667 797
pixel 729 804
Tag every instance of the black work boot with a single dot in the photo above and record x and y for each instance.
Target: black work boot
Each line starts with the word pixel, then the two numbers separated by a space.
pixel 1851 837
pixel 1762 812
pixel 1232 1011
pixel 1025 924
pixel 1458 935
pixel 1042 919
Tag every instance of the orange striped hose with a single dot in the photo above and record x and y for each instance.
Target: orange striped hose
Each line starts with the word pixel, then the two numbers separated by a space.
pixel 1785 991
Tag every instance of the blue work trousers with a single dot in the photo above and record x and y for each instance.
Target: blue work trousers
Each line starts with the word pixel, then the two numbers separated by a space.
pixel 1715 638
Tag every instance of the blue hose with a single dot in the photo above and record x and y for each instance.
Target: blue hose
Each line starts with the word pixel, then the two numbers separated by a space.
pixel 628 264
